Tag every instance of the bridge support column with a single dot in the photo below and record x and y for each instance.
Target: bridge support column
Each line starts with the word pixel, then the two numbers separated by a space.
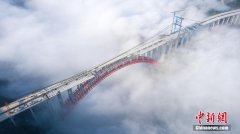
pixel 70 95
pixel 187 38
pixel 181 41
pixel 33 115
pixel 166 48
pixel 184 39
pixel 218 22
pixel 171 47
pixel 60 99
pixel 225 20
pixel 83 91
pixel 233 19
pixel 162 51
pixel 155 54
pixel 145 54
pixel 80 87
pixel 228 18
pixel 149 54
pixel 50 107
pixel 158 53
pixel 13 121
pixel 237 19
pixel 215 23
pixel 177 42
pixel 221 22
pixel 80 90
pixel 210 26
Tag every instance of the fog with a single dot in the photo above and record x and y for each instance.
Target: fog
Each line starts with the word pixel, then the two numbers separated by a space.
pixel 44 41
pixel 202 77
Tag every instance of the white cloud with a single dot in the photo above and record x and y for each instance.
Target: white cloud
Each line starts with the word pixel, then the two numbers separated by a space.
pixel 57 36
pixel 54 39
pixel 203 77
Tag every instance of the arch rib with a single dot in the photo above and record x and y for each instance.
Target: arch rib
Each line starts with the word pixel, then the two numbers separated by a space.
pixel 79 94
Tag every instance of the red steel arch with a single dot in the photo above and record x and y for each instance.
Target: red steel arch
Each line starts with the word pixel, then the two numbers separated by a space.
pixel 79 94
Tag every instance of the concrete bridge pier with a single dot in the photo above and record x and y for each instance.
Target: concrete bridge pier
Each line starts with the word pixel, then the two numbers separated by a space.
pixel 13 121
pixel 50 108
pixel 80 87
pixel 171 47
pixel 155 54
pixel 181 41
pixel 210 26
pixel 224 21
pixel 34 115
pixel 158 53
pixel 60 99
pixel 149 54
pixel 70 95
pixel 237 21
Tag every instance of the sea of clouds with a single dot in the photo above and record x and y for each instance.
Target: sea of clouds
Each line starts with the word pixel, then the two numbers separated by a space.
pixel 42 42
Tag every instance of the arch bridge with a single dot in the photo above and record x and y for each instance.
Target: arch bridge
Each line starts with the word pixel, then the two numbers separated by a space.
pixel 70 91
